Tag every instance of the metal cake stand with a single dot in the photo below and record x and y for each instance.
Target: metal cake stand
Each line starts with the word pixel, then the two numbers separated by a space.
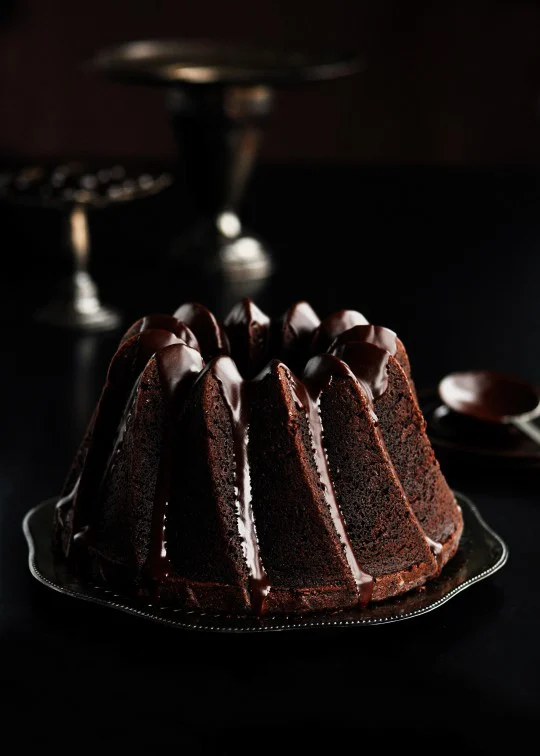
pixel 219 96
pixel 76 191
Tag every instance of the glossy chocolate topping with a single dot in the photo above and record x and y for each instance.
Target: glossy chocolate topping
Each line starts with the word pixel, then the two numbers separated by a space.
pixel 306 396
pixel 358 351
pixel 233 392
pixel 133 354
pixel 365 363
pixel 178 368
pixel 164 323
pixel 332 326
pixel 489 396
pixel 248 330
pixel 371 334
pixel 65 504
pixel 210 335
pixel 369 363
pixel 291 335
pixel 126 366
pixel 298 325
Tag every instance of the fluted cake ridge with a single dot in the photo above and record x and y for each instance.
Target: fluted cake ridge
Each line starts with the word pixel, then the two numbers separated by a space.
pixel 257 466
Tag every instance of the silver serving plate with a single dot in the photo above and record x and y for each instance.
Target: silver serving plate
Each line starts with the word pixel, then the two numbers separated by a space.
pixel 481 553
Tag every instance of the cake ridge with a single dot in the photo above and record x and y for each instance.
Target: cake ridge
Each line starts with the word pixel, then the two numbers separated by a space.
pixel 307 397
pixel 233 389
pixel 148 376
pixel 164 322
pixel 178 366
pixel 121 432
pixel 130 360
pixel 292 334
pixel 333 325
pixel 368 362
pixel 323 368
pixel 248 331
pixel 204 325
pixel 380 336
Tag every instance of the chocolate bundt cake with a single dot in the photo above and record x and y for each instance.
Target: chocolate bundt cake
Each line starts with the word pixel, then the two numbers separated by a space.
pixel 257 466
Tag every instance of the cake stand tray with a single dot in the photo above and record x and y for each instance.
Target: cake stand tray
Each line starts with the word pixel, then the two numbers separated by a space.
pixel 481 553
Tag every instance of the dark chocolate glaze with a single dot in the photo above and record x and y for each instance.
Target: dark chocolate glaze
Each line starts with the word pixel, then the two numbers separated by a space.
pixel 121 432
pixel 164 323
pixel 65 504
pixel 299 322
pixel 436 548
pixel 133 355
pixel 371 334
pixel 368 368
pixel 178 367
pixel 488 396
pixel 332 326
pixel 306 396
pixel 291 335
pixel 210 335
pixel 248 330
pixel 126 366
pixel 233 392
pixel 359 351
pixel 296 328
pixel 369 363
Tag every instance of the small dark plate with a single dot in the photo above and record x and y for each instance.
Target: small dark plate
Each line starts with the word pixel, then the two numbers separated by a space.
pixel 467 440
pixel 481 553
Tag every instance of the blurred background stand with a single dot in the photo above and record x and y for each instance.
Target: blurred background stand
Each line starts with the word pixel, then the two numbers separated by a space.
pixel 220 96
pixel 73 189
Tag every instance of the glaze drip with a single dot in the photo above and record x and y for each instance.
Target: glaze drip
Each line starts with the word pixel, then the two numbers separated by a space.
pixel 333 326
pixel 365 350
pixel 178 367
pixel 369 334
pixel 163 323
pixel 293 333
pixel 121 432
pixel 436 548
pixel 307 395
pixel 65 504
pixel 234 391
pixel 368 363
pixel 248 330
pixel 299 322
pixel 126 366
pixel 210 335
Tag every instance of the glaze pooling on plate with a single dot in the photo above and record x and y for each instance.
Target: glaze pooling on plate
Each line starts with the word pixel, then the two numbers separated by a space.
pixel 481 553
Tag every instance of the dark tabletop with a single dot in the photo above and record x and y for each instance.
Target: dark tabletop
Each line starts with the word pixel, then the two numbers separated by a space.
pixel 448 258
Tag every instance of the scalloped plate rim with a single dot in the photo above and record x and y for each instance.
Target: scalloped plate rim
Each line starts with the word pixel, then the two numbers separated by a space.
pixel 322 619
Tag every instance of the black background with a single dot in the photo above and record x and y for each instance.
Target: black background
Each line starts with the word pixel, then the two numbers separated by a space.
pixel 452 82
pixel 450 259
